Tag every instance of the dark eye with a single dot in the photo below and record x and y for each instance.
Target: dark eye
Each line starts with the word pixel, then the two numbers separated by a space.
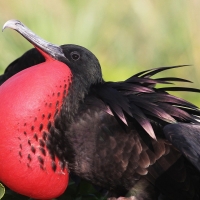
pixel 75 55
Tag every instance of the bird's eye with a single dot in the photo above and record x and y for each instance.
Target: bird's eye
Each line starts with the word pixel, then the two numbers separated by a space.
pixel 75 55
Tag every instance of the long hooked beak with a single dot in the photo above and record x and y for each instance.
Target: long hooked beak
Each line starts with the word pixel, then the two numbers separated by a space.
pixel 43 46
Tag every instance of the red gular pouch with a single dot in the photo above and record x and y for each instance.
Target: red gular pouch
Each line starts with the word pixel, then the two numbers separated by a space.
pixel 28 103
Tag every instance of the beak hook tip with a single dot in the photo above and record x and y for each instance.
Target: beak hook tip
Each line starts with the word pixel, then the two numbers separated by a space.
pixel 11 24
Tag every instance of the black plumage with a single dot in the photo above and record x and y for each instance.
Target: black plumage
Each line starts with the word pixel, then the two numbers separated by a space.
pixel 116 134
pixel 128 137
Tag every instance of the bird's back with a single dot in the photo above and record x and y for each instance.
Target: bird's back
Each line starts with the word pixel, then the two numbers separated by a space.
pixel 116 158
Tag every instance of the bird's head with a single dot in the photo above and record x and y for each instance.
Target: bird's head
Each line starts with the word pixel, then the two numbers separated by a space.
pixel 82 63
pixel 78 59
pixel 30 102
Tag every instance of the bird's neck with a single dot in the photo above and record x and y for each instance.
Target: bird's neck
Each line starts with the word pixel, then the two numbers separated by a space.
pixel 60 128
pixel 77 92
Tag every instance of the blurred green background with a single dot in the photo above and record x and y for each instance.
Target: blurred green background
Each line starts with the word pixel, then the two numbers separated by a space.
pixel 126 36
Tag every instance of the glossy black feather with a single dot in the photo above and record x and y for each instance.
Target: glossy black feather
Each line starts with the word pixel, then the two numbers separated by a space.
pixel 151 72
pixel 185 89
pixel 154 102
pixel 186 138
pixel 172 79
pixel 28 59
